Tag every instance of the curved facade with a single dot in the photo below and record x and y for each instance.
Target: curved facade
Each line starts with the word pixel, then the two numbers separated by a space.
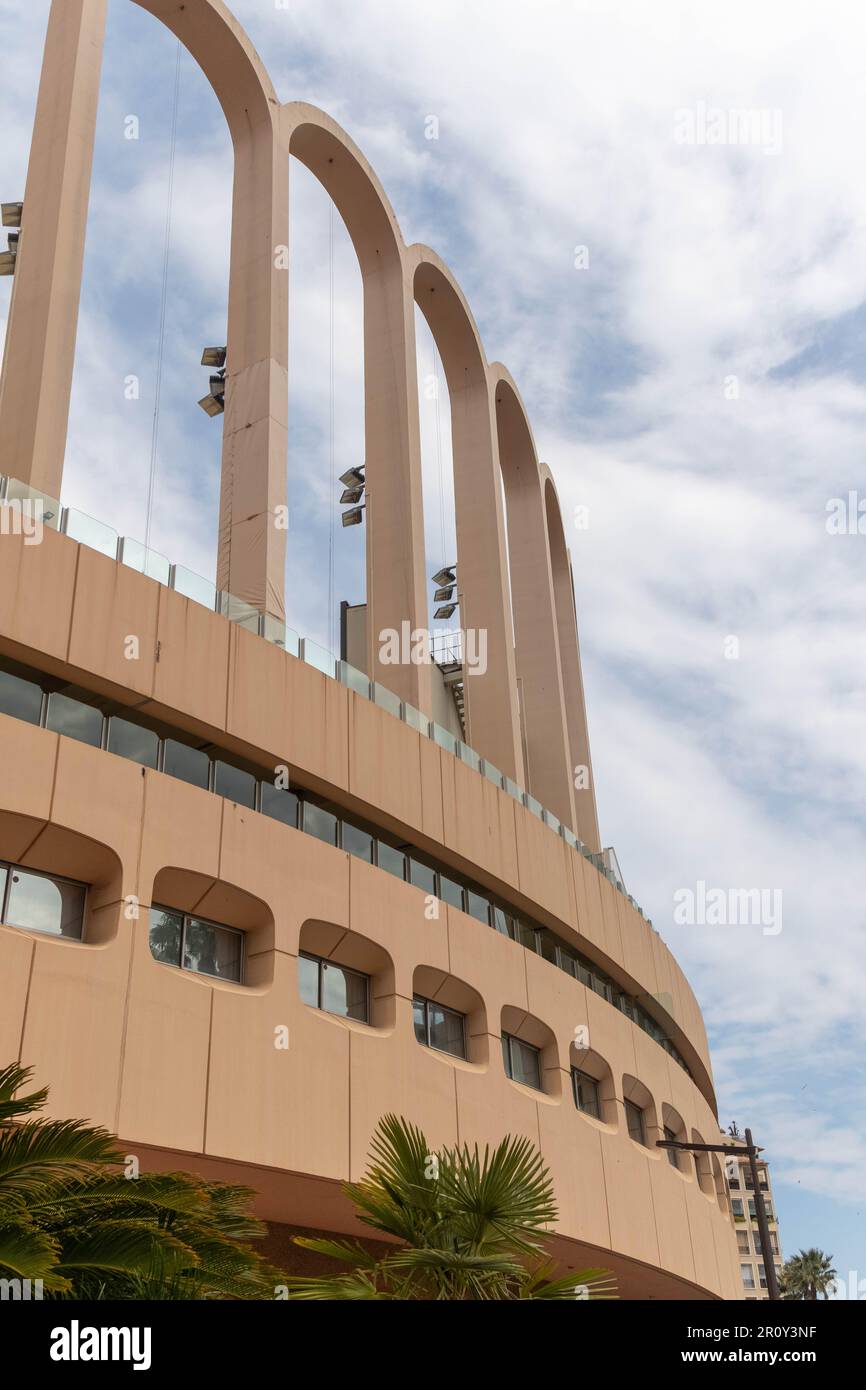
pixel 413 867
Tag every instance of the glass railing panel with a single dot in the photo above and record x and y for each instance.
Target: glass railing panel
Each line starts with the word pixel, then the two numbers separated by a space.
pixel 492 773
pixel 514 790
pixel 34 505
pixel 21 699
pixel 133 741
pixel 353 679
pixel 317 656
pixel 192 586
pixel 415 719
pixel 239 611
pixel 279 804
pixel 468 756
pixel 87 531
pixel 534 805
pixel 443 737
pixel 569 837
pixel 275 631
pixel 74 719
pixel 550 819
pixel 134 555
pixel 386 699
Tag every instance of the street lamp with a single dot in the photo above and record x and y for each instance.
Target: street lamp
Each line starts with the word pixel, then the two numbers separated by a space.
pixel 737 1150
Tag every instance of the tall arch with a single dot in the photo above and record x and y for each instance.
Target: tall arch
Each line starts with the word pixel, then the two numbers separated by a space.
pixel 41 335
pixel 396 580
pixel 536 627
pixel 492 714
pixel 586 813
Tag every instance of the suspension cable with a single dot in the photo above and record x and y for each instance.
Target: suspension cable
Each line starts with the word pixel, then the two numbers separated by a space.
pixel 160 354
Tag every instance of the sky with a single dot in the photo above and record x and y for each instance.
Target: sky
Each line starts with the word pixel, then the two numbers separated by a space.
pixel 680 299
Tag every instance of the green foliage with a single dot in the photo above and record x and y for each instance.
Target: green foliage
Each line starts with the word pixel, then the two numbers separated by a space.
pixel 467 1226
pixel 808 1275
pixel 69 1218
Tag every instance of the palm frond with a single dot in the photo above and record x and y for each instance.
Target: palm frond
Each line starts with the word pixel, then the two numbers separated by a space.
pixel 12 1078
pixel 38 1154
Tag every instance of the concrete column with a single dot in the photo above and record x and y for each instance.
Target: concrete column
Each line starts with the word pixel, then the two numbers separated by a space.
pixel 549 774
pixel 396 579
pixel 39 357
pixel 585 809
pixel 492 715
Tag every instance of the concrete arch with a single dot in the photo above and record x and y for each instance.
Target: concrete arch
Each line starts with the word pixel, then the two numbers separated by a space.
pixel 536 620
pixel 252 548
pixel 585 810
pixel 40 344
pixel 492 711
pixel 396 583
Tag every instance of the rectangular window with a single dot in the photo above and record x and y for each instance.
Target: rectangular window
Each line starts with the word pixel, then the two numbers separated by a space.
pixel 75 720
pixel 40 902
pixel 525 935
pixel 450 892
pixel 133 741
pixel 736 1204
pixel 673 1155
pixel 546 945
pixel 19 698
pixel 439 1028
pixel 635 1121
pixel 187 764
pixel 235 785
pixel 357 842
pixel 166 935
pixel 392 860
pixel 522 1062
pixel 743 1245
pixel 422 876
pixel 279 804
pixel 212 950
pixel 747 1274
pixel 478 907
pixel 334 989
pixel 503 921
pixel 320 823
pixel 205 948
pixel 585 1093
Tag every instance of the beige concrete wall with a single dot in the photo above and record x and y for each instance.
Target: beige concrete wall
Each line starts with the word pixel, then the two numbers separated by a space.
pixel 183 1064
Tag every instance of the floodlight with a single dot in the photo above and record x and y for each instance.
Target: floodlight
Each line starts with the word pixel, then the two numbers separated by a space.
pixel 445 611
pixel 353 517
pixel 12 214
pixel 353 477
pixel 212 405
pixel 443 595
pixel 352 495
pixel 214 357
pixel 446 575
pixel 215 403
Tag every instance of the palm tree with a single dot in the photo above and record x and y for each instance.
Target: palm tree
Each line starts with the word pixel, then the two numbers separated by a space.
pixel 807 1275
pixel 70 1218
pixel 467 1227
